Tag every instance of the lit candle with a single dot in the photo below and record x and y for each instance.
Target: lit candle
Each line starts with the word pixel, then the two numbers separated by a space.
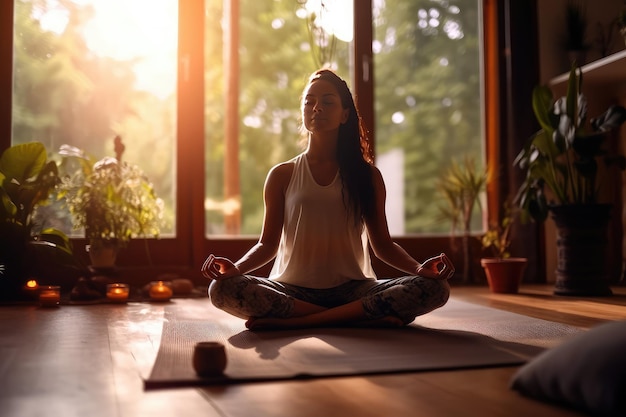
pixel 161 291
pixel 117 292
pixel 49 295
pixel 31 289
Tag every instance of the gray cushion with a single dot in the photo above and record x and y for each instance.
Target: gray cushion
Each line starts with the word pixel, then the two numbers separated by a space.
pixel 586 372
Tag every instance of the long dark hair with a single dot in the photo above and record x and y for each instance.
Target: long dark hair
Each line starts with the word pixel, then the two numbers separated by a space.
pixel 354 152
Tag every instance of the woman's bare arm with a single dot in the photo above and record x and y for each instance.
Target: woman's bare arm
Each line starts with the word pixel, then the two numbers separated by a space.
pixel 265 249
pixel 438 267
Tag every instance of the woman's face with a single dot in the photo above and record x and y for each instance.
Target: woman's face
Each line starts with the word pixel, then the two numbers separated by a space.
pixel 321 108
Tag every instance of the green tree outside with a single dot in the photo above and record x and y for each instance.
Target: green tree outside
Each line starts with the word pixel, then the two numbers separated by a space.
pixel 427 90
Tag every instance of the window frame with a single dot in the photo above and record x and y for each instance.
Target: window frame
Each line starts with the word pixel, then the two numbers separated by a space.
pixel 185 253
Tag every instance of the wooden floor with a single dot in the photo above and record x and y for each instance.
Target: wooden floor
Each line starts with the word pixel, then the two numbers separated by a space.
pixel 88 361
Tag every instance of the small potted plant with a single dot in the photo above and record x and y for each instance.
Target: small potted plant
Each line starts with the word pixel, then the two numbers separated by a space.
pixel 504 273
pixel 112 200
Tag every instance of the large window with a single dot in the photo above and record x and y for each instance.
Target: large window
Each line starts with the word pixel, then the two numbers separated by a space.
pixel 428 90
pixel 256 67
pixel 86 71
pixel 428 103
pixel 205 95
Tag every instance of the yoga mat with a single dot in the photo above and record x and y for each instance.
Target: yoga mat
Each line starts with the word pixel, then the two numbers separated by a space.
pixel 460 335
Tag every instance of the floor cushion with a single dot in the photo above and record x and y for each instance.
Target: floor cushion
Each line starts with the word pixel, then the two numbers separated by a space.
pixel 586 372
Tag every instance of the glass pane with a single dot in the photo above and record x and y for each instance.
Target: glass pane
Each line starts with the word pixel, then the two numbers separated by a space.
pixel 428 104
pixel 88 70
pixel 280 44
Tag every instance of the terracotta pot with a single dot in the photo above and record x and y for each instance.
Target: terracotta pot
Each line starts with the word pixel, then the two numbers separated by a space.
pixel 504 275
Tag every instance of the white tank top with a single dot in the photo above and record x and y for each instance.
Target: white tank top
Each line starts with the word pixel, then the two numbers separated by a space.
pixel 320 246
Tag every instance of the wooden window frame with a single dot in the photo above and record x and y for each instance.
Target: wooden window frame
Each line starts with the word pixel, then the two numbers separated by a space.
pixel 185 253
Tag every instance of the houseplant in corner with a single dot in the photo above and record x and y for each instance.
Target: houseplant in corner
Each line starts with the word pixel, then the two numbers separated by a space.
pixel 112 200
pixel 504 273
pixel 566 164
pixel 29 250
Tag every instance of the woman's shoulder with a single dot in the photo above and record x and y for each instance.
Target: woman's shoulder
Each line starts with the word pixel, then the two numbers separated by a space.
pixel 377 178
pixel 283 171
pixel 376 174
pixel 284 168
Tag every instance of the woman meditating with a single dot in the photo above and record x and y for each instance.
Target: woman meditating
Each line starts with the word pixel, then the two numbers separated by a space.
pixel 323 209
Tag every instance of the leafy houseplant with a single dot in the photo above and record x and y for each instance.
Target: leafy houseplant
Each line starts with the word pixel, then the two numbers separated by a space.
pixel 497 239
pixel 563 159
pixel 565 153
pixel 27 250
pixel 461 186
pixel 112 200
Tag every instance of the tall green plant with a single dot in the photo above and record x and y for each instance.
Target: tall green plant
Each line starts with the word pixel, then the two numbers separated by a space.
pixel 564 155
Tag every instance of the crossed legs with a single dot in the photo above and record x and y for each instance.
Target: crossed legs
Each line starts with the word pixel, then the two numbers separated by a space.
pixel 268 304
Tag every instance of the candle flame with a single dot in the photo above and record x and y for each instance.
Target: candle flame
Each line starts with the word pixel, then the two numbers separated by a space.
pixel 31 284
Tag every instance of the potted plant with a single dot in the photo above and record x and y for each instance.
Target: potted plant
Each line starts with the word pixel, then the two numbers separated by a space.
pixel 461 186
pixel 112 200
pixel 504 273
pixel 29 250
pixel 576 31
pixel 566 163
pixel 621 22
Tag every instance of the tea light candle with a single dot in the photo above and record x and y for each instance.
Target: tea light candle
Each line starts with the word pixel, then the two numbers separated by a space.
pixel 31 289
pixel 117 292
pixel 50 295
pixel 161 291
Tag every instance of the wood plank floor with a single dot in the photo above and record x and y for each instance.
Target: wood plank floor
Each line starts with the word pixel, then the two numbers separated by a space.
pixel 88 361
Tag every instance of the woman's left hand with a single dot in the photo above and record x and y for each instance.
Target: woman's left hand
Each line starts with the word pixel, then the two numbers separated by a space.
pixel 437 267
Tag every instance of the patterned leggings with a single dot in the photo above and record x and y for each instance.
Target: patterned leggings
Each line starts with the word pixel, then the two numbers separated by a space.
pixel 406 297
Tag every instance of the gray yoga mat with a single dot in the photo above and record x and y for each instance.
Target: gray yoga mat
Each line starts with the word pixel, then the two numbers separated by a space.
pixel 458 336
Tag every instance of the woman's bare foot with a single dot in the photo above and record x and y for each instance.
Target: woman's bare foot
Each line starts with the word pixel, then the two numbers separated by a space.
pixel 273 323
pixel 301 322
pixel 388 321
pixel 345 315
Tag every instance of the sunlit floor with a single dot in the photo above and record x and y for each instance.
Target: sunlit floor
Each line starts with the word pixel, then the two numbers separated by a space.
pixel 89 361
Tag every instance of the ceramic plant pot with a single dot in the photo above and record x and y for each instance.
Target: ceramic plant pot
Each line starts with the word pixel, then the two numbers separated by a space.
pixel 582 242
pixel 102 254
pixel 504 275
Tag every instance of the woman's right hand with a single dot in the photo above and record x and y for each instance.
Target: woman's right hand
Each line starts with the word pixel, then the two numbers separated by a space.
pixel 217 268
